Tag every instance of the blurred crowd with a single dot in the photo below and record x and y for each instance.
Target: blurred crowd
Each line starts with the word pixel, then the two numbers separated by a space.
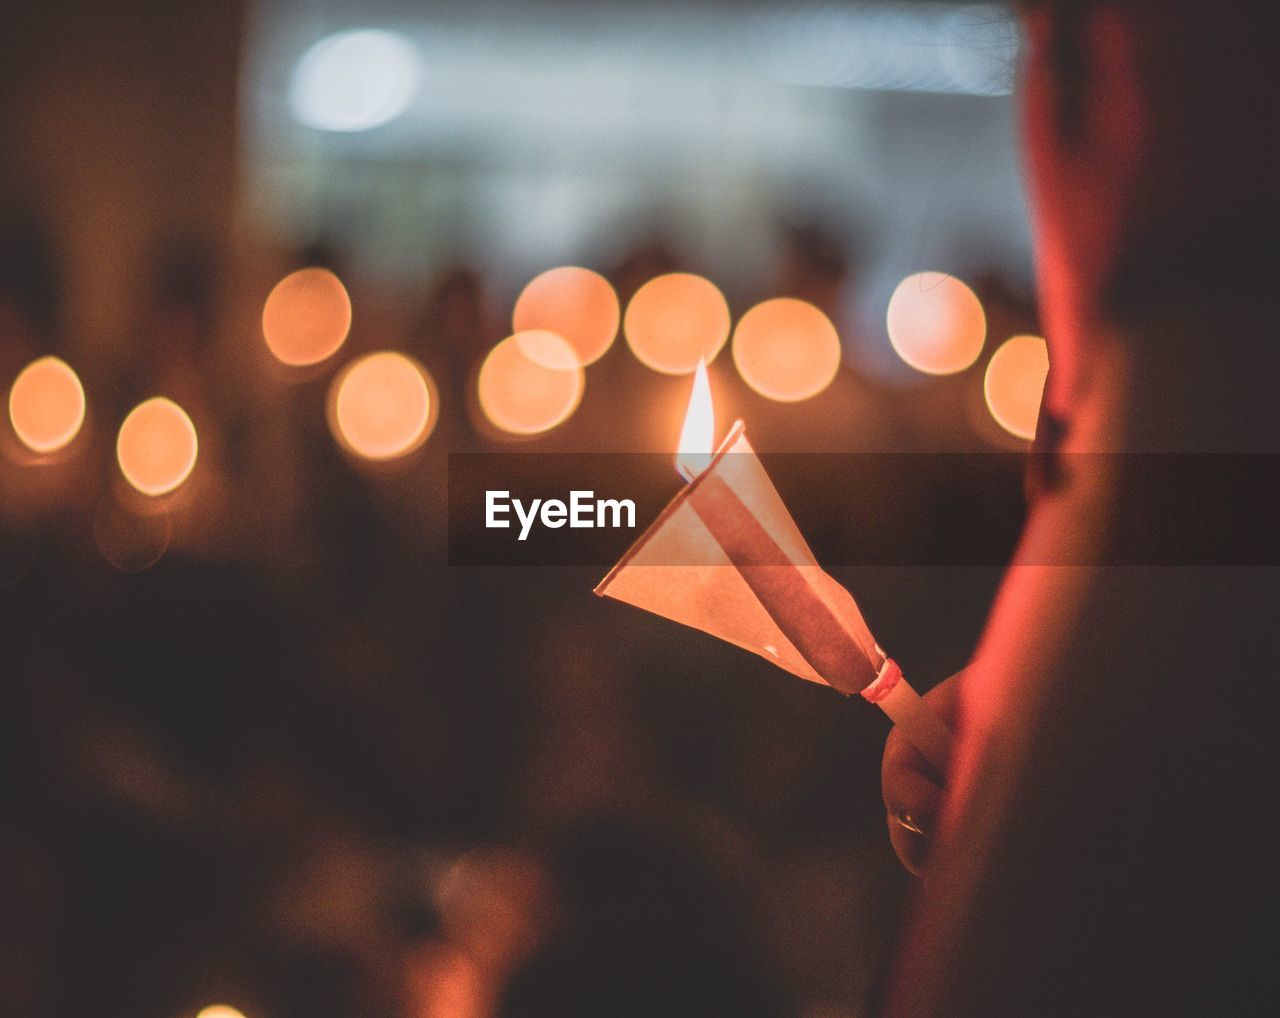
pixel 263 746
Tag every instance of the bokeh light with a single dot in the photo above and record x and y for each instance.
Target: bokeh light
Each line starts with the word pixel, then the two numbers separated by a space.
pixel 220 1011
pixel 381 406
pixel 936 323
pixel 676 320
pixel 306 317
pixel 576 303
pixel 1014 384
pixel 530 382
pixel 46 405
pixel 786 349
pixel 157 446
pixel 354 81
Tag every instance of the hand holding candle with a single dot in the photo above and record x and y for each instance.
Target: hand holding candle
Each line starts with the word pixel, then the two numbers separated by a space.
pixel 773 599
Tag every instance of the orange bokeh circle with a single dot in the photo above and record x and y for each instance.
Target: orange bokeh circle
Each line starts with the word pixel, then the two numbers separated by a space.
pixel 381 406
pixel 1014 384
pixel 575 303
pixel 786 349
pixel 157 446
pixel 306 317
pixel 936 323
pixel 530 382
pixel 46 405
pixel 676 320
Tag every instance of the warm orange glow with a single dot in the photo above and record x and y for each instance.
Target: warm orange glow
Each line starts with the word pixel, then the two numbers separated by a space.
pixel 46 405
pixel 381 406
pixel 675 321
pixel 698 434
pixel 157 446
pixel 786 349
pixel 1014 384
pixel 220 1011
pixel 576 303
pixel 306 317
pixel 936 323
pixel 530 382
pixel 549 350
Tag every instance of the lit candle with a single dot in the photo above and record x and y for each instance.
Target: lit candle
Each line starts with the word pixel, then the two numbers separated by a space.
pixel 732 497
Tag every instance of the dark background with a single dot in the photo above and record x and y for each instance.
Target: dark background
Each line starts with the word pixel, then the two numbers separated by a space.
pixel 262 744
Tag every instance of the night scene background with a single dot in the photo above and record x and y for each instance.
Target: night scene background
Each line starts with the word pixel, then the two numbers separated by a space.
pixel 263 747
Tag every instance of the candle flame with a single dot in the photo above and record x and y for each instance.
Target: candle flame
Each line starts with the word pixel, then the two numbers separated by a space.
pixel 697 437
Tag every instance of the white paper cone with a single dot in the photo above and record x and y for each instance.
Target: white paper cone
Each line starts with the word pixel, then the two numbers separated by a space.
pixel 726 557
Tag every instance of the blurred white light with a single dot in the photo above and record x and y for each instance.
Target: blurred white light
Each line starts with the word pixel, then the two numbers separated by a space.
pixel 892 47
pixel 353 81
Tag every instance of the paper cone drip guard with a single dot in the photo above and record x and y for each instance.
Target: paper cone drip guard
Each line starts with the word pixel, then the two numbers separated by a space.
pixel 726 557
